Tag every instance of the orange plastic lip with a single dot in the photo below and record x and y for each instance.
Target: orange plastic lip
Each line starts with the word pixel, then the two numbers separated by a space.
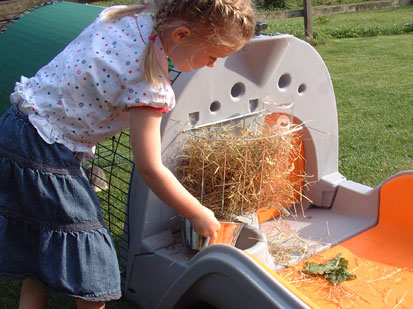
pixel 381 258
pixel 228 233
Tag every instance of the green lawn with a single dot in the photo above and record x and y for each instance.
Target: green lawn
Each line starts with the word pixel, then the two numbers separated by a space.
pixel 291 4
pixel 354 24
pixel 372 78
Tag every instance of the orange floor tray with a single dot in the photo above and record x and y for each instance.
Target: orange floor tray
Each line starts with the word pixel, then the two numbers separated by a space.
pixel 381 258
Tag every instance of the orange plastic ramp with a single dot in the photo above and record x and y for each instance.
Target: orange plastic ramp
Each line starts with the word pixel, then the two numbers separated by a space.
pixel 381 258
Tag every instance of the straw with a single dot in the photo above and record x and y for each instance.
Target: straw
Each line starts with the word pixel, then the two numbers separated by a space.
pixel 235 169
pixel 286 245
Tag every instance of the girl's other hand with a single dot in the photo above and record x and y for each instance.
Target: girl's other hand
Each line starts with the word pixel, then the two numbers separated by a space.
pixel 205 223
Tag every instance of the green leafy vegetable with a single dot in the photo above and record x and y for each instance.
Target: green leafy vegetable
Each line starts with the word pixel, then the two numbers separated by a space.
pixel 335 270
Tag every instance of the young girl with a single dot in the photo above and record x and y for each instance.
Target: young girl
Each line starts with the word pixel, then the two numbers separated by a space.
pixel 113 76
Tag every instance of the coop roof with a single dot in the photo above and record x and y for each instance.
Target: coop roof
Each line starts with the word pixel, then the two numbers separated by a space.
pixel 35 38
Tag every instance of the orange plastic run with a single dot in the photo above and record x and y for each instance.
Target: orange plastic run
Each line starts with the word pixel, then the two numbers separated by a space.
pixel 381 258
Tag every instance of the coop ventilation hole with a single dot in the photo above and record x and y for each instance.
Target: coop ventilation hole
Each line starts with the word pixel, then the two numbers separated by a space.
pixel 193 118
pixel 238 90
pixel 253 105
pixel 284 81
pixel 302 88
pixel 215 106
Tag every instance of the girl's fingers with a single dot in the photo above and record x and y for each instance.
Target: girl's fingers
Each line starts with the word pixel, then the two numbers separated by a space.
pixel 214 237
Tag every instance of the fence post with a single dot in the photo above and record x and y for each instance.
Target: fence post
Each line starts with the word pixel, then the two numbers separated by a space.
pixel 308 19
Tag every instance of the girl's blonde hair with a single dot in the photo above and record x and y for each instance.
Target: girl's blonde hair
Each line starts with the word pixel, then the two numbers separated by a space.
pixel 214 22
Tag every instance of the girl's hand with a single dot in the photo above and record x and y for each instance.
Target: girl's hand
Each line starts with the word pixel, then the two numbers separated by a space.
pixel 205 223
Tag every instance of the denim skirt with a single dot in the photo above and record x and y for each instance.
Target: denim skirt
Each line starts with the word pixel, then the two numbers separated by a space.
pixel 51 225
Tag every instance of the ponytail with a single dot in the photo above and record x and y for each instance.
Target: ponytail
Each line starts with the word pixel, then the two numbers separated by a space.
pixel 123 11
pixel 150 64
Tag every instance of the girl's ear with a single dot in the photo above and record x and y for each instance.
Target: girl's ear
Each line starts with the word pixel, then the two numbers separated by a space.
pixel 180 33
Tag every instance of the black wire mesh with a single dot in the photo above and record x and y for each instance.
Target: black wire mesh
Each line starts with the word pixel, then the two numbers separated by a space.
pixel 109 174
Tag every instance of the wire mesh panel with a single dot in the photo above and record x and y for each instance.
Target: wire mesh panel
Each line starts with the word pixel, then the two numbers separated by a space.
pixel 109 174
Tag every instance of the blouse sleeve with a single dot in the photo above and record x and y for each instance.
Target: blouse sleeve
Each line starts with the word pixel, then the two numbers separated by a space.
pixel 117 71
pixel 144 94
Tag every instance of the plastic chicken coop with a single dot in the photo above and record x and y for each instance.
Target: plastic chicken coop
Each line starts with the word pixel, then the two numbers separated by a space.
pixel 370 227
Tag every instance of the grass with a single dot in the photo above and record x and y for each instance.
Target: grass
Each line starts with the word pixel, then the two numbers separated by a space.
pixel 298 4
pixel 354 24
pixel 374 93
pixel 291 4
pixel 10 291
pixel 372 80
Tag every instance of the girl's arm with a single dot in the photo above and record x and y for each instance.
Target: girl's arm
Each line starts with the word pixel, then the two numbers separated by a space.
pixel 146 147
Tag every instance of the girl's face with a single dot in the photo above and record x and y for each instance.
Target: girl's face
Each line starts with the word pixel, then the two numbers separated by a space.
pixel 187 55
